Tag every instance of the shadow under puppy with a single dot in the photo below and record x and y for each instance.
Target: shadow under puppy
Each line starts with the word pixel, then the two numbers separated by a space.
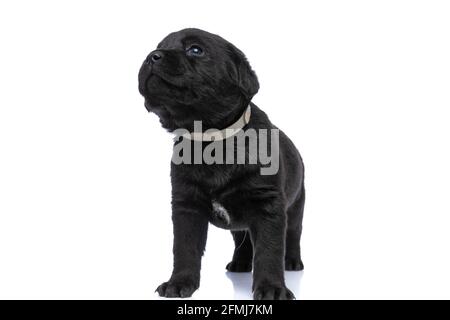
pixel 198 76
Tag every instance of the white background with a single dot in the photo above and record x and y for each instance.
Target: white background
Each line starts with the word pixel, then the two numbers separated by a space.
pixel 361 87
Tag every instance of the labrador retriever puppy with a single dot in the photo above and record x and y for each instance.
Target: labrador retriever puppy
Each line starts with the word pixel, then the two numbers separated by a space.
pixel 195 77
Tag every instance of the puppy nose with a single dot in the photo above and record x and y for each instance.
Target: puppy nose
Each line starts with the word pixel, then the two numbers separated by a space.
pixel 155 56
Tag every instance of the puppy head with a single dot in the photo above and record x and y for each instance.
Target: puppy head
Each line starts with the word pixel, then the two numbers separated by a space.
pixel 194 75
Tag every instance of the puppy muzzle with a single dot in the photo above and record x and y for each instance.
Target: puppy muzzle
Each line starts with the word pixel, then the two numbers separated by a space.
pixel 144 73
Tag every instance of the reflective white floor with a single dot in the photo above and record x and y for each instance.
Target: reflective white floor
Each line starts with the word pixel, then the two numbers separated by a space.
pixel 242 283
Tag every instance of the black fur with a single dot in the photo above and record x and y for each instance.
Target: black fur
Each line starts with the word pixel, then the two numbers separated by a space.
pixel 266 210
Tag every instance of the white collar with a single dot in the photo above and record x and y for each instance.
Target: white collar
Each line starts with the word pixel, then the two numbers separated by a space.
pixel 217 135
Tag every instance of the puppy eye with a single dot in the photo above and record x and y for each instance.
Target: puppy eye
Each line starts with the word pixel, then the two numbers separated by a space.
pixel 194 51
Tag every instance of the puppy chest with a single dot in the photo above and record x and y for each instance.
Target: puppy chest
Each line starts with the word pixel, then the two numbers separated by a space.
pixel 220 216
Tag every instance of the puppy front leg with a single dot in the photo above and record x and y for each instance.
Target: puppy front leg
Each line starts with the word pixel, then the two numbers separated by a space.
pixel 268 236
pixel 190 231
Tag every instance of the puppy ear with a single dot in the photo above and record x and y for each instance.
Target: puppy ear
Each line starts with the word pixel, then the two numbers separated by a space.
pixel 245 77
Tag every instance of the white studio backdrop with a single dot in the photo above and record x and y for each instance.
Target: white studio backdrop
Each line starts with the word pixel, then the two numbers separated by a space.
pixel 361 87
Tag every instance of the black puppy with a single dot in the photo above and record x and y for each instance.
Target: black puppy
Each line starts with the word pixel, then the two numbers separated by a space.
pixel 198 76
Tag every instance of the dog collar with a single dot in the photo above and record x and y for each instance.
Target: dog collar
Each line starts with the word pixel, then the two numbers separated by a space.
pixel 217 135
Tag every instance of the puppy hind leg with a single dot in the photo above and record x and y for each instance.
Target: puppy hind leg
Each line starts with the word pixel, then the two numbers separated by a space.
pixel 243 252
pixel 293 261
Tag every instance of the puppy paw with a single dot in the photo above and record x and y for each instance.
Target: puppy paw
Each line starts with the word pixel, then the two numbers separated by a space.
pixel 177 288
pixel 293 264
pixel 239 266
pixel 271 292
